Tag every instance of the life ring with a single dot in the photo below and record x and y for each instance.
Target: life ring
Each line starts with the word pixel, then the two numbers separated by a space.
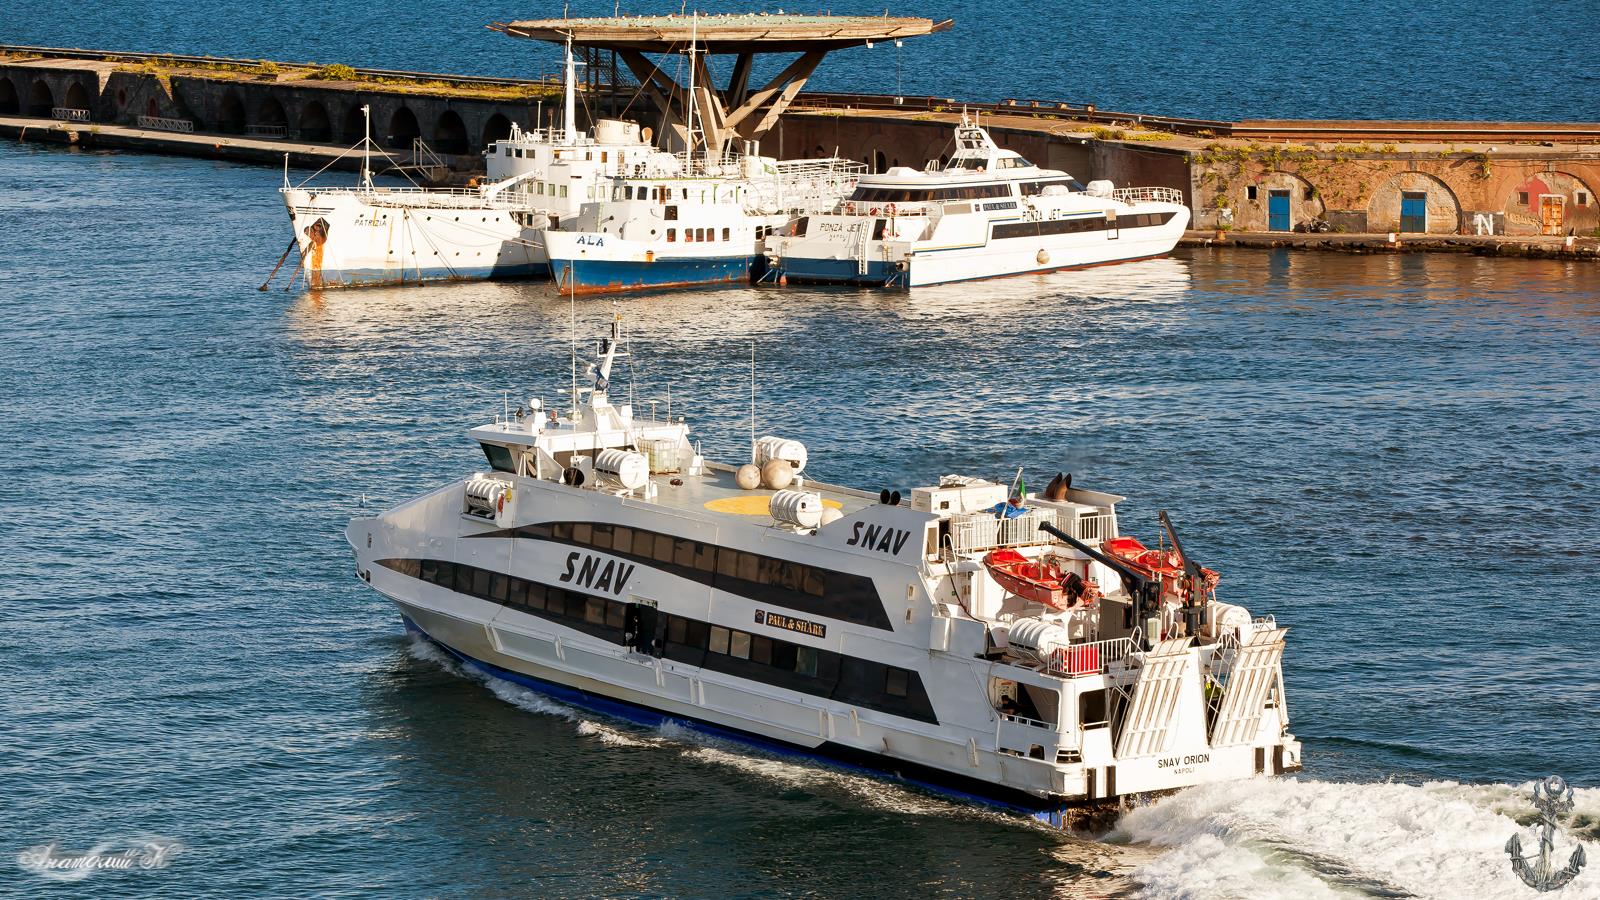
pixel 889 210
pixel 874 211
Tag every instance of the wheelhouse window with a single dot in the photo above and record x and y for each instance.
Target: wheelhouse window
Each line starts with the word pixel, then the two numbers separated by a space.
pixel 499 458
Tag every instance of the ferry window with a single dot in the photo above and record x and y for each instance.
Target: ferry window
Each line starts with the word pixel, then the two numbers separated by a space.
pixel 739 645
pixel 583 533
pixel 728 562
pixel 603 155
pixel 672 235
pixel 814 584
pixel 563 190
pixel 663 548
pixel 670 213
pixel 699 234
pixel 800 226
pixel 536 595
pixel 877 229
pixel 705 557
pixel 683 552
pixel 725 231
pixel 805 661
pixel 622 539
pixel 616 615
pixel 480 582
pixel 499 458
pixel 518 595
pixel 627 192
pixel 688 235
pixel 562 531
pixel 783 655
pixel 499 587
pixel 430 570
pixel 897 682
pixel 761 649
pixel 750 567
pixel 719 639
pixel 677 629
pixel 1092 708
pixel 602 537
pixel 696 633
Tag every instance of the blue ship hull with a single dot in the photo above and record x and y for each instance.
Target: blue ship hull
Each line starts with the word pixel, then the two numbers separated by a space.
pixel 377 277
pixel 604 276
pixel 1060 816
pixel 837 271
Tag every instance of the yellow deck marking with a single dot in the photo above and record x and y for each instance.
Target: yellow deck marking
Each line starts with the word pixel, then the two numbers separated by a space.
pixel 752 504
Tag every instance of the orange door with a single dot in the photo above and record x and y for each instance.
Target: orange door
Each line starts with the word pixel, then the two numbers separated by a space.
pixel 1552 213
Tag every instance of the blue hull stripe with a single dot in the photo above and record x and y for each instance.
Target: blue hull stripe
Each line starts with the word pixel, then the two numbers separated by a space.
pixel 652 718
pixel 375 277
pixel 599 275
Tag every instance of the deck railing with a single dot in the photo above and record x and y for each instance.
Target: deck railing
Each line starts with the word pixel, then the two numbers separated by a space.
pixel 1149 195
pixel 1091 658
pixel 982 532
pixel 69 114
pixel 162 123
pixel 270 131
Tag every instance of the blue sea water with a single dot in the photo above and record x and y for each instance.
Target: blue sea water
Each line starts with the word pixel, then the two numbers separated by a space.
pixel 1471 59
pixel 1395 455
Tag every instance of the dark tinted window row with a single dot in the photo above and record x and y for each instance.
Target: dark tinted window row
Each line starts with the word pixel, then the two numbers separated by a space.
pixel 1077 226
pixel 1031 188
pixel 743 654
pixel 764 579
pixel 905 195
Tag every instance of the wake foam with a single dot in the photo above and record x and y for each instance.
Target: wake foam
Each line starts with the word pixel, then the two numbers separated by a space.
pixel 1275 838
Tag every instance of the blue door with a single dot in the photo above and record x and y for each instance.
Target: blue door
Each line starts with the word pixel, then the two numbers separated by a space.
pixel 1414 211
pixel 1278 211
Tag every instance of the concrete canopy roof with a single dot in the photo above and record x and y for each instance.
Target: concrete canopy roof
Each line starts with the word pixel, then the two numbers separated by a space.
pixel 735 33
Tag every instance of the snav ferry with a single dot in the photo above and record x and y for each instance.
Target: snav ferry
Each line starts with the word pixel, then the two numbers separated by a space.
pixel 988 212
pixel 1002 644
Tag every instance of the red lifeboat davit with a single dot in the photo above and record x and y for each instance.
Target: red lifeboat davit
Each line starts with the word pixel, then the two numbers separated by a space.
pixel 1039 580
pixel 1163 565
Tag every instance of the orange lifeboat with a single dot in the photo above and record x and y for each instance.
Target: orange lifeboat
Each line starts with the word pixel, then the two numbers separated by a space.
pixel 1163 565
pixel 1039 580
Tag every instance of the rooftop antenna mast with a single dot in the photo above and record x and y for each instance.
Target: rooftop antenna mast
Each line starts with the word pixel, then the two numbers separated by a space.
pixel 752 402
pixel 366 147
pixel 688 100
pixel 570 125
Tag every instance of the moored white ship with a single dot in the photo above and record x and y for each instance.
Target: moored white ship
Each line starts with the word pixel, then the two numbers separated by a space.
pixel 1024 652
pixel 536 180
pixel 988 212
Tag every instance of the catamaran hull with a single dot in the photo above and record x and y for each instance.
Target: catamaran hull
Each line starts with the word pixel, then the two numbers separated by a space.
pixel 907 266
pixel 348 241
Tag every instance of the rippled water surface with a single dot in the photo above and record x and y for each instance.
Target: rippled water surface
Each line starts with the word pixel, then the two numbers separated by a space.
pixel 1225 59
pixel 1397 456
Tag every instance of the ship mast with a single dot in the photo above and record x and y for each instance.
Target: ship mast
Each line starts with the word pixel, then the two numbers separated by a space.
pixel 570 125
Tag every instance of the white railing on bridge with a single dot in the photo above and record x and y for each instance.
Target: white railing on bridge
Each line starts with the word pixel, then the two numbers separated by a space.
pixel 1090 658
pixel 161 123
pixel 69 114
pixel 1149 195
pixel 982 532
pixel 267 130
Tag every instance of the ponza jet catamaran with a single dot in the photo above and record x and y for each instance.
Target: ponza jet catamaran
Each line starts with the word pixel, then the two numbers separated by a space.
pixel 1016 648
pixel 986 213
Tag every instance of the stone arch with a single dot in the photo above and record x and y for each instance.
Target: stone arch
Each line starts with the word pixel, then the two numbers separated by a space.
pixel 498 128
pixel 270 113
pixel 1443 209
pixel 77 97
pixel 450 133
pixel 315 124
pixel 880 162
pixel 40 100
pixel 1527 212
pixel 1305 202
pixel 230 115
pixel 403 128
pixel 10 103
pixel 353 127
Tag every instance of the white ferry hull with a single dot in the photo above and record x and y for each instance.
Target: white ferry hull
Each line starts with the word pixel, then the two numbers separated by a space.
pixel 922 263
pixel 346 240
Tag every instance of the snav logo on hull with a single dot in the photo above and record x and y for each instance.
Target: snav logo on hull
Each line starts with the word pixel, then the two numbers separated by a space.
pixel 597 574
pixel 878 537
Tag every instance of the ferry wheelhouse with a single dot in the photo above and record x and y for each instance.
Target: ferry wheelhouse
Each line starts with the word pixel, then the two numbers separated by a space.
pixel 988 212
pixel 975 637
